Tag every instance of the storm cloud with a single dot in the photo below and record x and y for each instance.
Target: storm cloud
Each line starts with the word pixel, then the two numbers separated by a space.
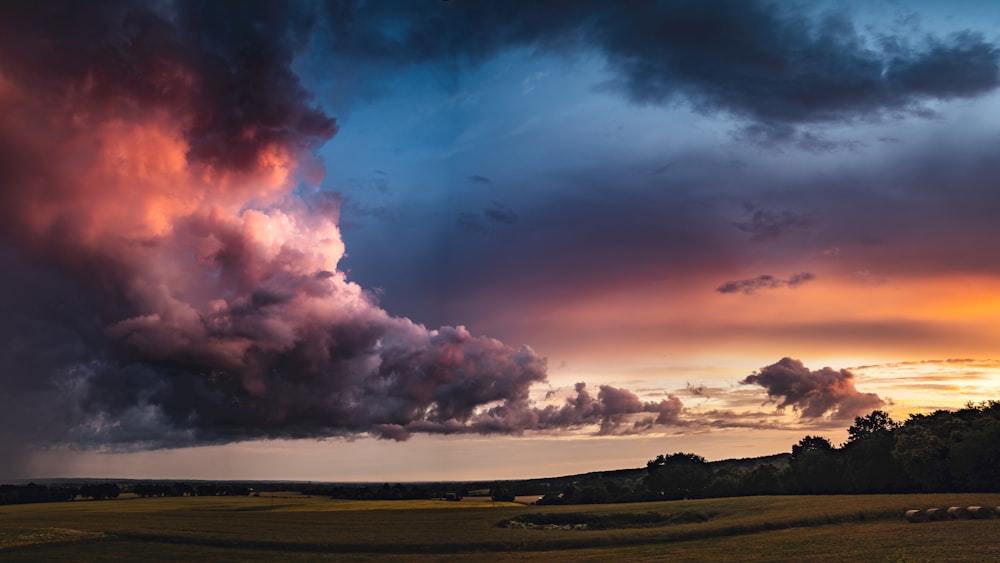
pixel 176 269
pixel 175 273
pixel 768 62
pixel 813 393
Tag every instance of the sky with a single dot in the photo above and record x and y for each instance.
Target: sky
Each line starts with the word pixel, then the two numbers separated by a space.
pixel 474 239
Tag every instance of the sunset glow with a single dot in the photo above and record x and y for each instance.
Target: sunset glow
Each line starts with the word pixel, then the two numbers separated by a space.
pixel 561 241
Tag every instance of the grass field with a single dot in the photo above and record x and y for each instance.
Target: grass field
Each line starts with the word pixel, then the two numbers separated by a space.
pixel 291 527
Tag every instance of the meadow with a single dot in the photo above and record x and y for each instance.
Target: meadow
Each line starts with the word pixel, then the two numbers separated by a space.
pixel 294 527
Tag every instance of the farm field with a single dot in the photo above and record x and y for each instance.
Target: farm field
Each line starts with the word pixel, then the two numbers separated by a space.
pixel 299 528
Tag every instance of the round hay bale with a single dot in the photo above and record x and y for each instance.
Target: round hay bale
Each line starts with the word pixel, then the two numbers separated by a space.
pixel 934 514
pixel 980 512
pixel 915 516
pixel 956 512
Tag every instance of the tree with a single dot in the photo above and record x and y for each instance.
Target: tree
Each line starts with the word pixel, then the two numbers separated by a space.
pixel 876 423
pixel 100 492
pixel 923 453
pixel 814 467
pixel 810 446
pixel 501 493
pixel 677 476
pixel 869 464
pixel 763 480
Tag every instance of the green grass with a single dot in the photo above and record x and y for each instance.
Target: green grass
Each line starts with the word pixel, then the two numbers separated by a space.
pixel 292 527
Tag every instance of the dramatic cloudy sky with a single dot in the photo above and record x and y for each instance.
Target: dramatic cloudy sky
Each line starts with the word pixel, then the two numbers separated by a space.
pixel 471 239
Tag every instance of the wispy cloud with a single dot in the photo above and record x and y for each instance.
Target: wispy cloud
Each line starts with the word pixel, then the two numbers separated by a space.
pixel 764 224
pixel 764 281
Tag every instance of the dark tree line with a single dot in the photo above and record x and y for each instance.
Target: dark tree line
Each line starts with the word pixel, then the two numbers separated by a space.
pixel 397 491
pixel 33 493
pixel 946 451
pixel 146 490
pixel 102 491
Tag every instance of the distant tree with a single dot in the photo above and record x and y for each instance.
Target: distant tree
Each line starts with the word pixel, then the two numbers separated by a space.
pixel 975 456
pixel 594 494
pixel 62 494
pixel 952 451
pixel 182 489
pixel 207 490
pixel 551 498
pixel 763 480
pixel 922 454
pixel 809 446
pixel 100 491
pixel 814 467
pixel 869 464
pixel 876 423
pixel 501 493
pixel 677 476
pixel 724 483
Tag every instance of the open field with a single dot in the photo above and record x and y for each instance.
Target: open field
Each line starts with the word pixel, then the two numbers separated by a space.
pixel 294 527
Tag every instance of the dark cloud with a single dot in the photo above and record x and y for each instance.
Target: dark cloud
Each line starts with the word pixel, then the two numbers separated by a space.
pixel 499 213
pixel 661 169
pixel 172 277
pixel 50 339
pixel 354 214
pixel 772 63
pixel 763 281
pixel 479 179
pixel 223 69
pixel 378 183
pixel 813 393
pixel 776 136
pixel 496 214
pixel 961 65
pixel 769 62
pixel 170 287
pixel 765 224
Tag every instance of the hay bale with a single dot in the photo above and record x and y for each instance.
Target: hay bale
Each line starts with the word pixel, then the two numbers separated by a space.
pixel 980 512
pixel 935 514
pixel 955 512
pixel 915 516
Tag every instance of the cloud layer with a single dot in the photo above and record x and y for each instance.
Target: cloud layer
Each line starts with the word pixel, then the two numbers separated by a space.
pixel 768 62
pixel 179 275
pixel 150 158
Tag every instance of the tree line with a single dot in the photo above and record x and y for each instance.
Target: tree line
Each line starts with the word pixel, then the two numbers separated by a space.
pixel 32 493
pixel 945 451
